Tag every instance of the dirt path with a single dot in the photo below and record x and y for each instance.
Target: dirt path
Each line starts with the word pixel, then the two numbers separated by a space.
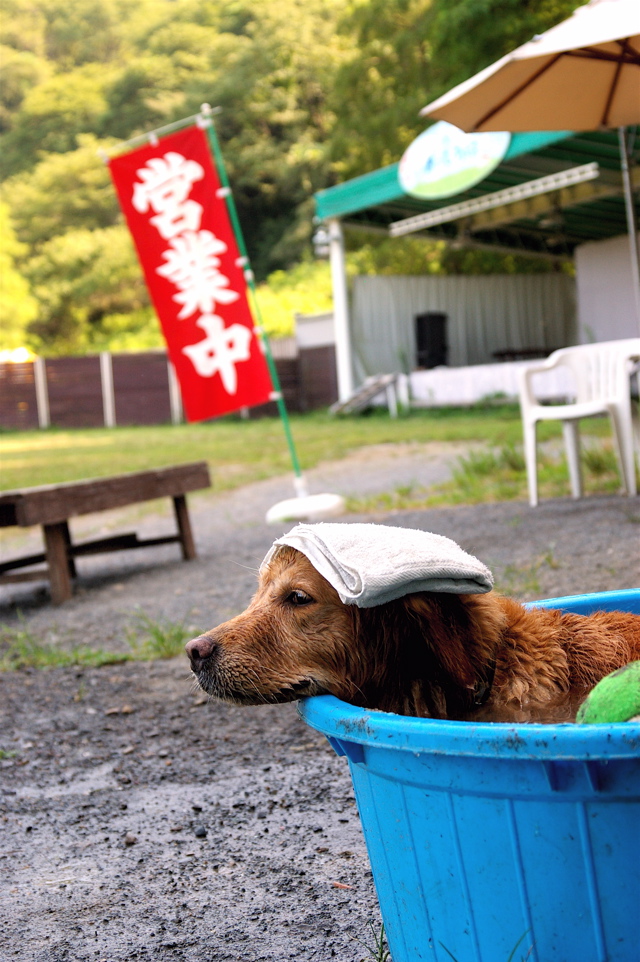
pixel 141 822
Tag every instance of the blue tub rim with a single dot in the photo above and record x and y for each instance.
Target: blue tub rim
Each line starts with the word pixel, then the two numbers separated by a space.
pixel 435 736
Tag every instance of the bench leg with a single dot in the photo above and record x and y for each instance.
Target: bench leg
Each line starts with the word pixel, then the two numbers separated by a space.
pixel 70 559
pixel 56 537
pixel 184 527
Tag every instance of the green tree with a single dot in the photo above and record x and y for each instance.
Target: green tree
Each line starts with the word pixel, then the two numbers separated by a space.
pixel 17 306
pixel 468 35
pixel 86 31
pixel 271 81
pixel 86 44
pixel 22 26
pixel 420 255
pixel 20 70
pixel 80 279
pixel 52 115
pixel 379 91
pixel 408 52
pixel 305 289
pixel 63 192
pixel 144 95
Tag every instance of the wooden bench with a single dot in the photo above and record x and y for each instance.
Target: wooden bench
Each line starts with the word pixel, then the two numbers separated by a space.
pixel 53 505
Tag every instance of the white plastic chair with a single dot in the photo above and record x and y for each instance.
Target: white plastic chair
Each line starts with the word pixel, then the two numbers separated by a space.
pixel 600 374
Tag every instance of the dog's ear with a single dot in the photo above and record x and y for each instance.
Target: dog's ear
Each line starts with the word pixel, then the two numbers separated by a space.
pixel 425 654
pixel 446 629
pixel 462 633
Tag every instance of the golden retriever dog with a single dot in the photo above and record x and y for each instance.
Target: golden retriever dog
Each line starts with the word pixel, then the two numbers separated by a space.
pixel 457 656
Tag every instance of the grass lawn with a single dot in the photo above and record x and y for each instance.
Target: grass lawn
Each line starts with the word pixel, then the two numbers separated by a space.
pixel 243 451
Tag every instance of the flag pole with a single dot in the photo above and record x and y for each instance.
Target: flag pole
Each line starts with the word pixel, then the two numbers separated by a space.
pixel 205 120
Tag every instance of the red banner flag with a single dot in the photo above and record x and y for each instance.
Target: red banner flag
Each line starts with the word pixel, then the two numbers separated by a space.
pixel 171 196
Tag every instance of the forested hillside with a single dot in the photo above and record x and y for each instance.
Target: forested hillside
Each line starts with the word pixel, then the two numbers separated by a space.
pixel 311 91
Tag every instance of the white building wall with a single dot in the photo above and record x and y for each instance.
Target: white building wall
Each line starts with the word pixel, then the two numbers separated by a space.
pixel 604 287
pixel 485 314
pixel 315 330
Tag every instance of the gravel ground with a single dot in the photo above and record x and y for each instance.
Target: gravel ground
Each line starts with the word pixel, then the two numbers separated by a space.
pixel 140 821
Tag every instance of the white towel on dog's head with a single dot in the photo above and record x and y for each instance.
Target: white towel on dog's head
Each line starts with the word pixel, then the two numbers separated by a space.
pixel 370 564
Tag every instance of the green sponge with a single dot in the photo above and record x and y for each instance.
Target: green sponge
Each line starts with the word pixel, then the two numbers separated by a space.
pixel 614 699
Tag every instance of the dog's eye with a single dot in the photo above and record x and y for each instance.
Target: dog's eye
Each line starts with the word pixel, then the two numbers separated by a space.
pixel 298 598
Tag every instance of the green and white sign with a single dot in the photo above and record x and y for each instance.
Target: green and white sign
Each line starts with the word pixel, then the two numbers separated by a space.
pixel 444 161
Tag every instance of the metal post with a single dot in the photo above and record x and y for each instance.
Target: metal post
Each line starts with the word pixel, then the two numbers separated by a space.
pixel 631 219
pixel 175 398
pixel 344 363
pixel 42 393
pixel 108 395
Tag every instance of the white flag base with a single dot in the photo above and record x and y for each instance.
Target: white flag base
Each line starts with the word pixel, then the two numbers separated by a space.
pixel 300 486
pixel 306 507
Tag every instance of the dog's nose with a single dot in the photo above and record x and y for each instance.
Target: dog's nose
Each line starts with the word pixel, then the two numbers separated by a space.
pixel 199 650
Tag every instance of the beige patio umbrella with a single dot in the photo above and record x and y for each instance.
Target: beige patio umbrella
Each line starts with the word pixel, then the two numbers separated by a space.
pixel 583 74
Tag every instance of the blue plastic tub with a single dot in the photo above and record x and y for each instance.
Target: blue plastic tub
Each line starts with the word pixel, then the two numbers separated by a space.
pixel 498 842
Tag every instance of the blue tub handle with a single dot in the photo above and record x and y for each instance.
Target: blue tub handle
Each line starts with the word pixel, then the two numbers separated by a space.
pixel 353 751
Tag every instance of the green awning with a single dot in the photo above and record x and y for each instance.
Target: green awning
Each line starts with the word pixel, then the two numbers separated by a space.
pixel 377 200
pixel 381 186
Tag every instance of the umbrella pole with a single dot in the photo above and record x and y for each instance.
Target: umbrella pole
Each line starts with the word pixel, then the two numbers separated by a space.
pixel 631 218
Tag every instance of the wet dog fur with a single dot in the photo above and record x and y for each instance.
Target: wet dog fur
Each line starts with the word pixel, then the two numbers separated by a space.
pixel 433 655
